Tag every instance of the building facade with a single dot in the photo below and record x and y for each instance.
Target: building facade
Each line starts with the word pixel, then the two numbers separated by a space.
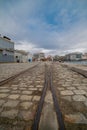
pixel 84 56
pixel 38 56
pixel 73 56
pixel 20 56
pixel 6 50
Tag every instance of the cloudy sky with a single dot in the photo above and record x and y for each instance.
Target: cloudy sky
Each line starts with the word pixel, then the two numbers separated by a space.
pixel 50 26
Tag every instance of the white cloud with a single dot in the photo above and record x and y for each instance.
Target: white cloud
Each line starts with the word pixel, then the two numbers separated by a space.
pixel 25 24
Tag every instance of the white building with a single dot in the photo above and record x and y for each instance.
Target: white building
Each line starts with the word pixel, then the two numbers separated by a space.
pixel 74 56
pixel 38 56
pixel 84 56
pixel 20 56
pixel 6 49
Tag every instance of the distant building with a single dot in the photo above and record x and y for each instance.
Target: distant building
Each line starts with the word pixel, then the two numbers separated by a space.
pixel 41 56
pixel 6 49
pixel 38 57
pixel 35 57
pixel 20 56
pixel 56 58
pixel 84 56
pixel 30 57
pixel 49 58
pixel 73 56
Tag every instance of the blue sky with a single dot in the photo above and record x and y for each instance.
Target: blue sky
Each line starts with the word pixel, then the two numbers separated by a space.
pixel 50 26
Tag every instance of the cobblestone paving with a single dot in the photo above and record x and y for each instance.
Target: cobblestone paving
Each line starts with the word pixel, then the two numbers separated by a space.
pixel 83 67
pixel 19 100
pixel 72 96
pixel 9 69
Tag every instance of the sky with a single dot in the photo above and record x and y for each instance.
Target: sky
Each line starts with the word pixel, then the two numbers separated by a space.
pixel 54 27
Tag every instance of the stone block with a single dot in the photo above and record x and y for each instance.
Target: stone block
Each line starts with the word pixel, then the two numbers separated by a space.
pixel 79 98
pixel 10 114
pixel 76 118
pixel 66 92
pixel 36 98
pixel 25 105
pixel 26 97
pixel 79 91
pixel 14 96
pixel 3 95
pixel 11 103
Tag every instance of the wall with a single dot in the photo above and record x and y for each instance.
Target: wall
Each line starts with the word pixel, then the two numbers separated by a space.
pixel 6 44
pixel 6 58
pixel 6 50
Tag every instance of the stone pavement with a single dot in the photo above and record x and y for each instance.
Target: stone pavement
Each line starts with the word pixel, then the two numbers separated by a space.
pixel 19 100
pixel 72 96
pixel 9 69
pixel 81 69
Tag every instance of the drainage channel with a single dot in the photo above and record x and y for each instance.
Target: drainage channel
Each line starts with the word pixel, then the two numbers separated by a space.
pixel 48 105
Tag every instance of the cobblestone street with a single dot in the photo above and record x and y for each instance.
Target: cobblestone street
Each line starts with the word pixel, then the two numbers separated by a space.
pixel 9 69
pixel 72 96
pixel 19 99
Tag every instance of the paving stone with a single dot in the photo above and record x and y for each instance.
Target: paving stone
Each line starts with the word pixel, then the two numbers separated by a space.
pixel 79 91
pixel 31 86
pixel 32 89
pixel 10 114
pixel 11 103
pixel 68 98
pixel 26 105
pixel 60 88
pixel 79 98
pixel 26 97
pixel 15 88
pixel 36 98
pixel 15 91
pixel 26 115
pixel 4 90
pixel 66 85
pixel 76 85
pixel 26 92
pixel 4 87
pixel 22 88
pixel 1 102
pixel 40 89
pixel 66 92
pixel 14 85
pixel 14 96
pixel 85 103
pixel 29 82
pixel 76 118
pixel 3 95
pixel 82 87
pixel 1 109
pixel 37 81
pixel 71 88
pixel 39 86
